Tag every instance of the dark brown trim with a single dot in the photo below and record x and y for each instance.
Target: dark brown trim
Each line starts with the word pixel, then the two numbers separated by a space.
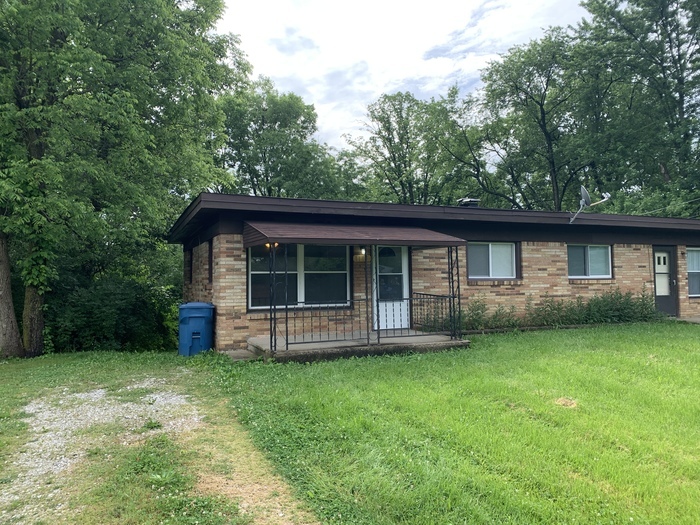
pixel 209 208
pixel 612 261
pixel 256 233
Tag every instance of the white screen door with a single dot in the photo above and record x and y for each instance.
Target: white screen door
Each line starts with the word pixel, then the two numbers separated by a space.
pixel 391 278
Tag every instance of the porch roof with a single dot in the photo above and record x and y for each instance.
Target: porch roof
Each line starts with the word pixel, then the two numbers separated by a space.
pixel 256 233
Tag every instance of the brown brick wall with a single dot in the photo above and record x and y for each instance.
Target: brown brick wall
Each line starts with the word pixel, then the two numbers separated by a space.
pixel 199 289
pixel 230 293
pixel 544 271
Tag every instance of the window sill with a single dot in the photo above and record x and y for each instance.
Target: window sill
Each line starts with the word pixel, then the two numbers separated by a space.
pixel 264 313
pixel 590 280
pixel 493 282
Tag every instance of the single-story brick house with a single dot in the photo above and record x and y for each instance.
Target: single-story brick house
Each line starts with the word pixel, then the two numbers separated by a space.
pixel 308 270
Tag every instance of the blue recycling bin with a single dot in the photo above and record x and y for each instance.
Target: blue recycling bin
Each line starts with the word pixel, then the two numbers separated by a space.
pixel 196 328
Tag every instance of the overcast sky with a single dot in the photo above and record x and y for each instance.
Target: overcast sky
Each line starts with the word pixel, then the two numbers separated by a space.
pixel 341 56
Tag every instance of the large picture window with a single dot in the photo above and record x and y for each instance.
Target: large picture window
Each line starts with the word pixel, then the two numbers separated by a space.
pixel 694 272
pixel 494 260
pixel 316 275
pixel 589 261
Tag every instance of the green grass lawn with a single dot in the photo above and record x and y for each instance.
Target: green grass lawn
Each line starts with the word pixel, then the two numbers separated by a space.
pixel 597 425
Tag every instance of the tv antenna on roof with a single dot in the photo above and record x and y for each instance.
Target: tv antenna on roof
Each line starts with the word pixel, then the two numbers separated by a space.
pixel 586 202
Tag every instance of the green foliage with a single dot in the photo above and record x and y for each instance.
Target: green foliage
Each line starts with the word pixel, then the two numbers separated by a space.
pixel 528 96
pixel 474 314
pixel 114 312
pixel 402 159
pixel 108 122
pixel 607 308
pixel 610 307
pixel 270 149
pixel 611 104
pixel 653 46
pixel 540 427
pixel 503 317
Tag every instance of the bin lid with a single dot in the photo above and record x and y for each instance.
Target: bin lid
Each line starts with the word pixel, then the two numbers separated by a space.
pixel 196 305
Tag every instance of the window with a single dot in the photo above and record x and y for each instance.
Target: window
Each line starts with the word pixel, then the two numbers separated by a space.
pixel 316 275
pixel 694 272
pixel 390 275
pixel 259 278
pixel 325 275
pixel 495 260
pixel 589 261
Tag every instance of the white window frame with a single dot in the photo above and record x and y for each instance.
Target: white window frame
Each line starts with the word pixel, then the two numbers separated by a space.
pixel 299 273
pixel 689 251
pixel 491 274
pixel 586 263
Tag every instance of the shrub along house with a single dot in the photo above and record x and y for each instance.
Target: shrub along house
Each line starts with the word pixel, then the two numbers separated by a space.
pixel 289 271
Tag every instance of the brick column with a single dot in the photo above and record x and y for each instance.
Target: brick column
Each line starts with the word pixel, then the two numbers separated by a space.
pixel 229 292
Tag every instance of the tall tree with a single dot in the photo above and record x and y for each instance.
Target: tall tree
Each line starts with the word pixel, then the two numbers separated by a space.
pixel 476 168
pixel 656 44
pixel 530 94
pixel 401 155
pixel 270 149
pixel 106 114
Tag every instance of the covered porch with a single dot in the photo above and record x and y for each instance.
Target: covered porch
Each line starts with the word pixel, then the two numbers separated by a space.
pixel 378 313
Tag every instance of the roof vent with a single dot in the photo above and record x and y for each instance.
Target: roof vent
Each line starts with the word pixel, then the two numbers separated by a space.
pixel 467 202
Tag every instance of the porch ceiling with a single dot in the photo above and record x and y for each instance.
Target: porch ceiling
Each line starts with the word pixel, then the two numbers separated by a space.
pixel 256 233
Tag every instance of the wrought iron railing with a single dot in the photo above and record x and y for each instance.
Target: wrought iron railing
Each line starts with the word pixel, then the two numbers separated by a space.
pixel 364 321
pixel 322 323
pixel 431 313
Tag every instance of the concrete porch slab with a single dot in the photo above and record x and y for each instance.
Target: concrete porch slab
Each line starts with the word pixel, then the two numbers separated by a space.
pixel 320 350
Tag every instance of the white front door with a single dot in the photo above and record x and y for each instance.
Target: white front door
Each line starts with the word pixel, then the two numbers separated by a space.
pixel 391 279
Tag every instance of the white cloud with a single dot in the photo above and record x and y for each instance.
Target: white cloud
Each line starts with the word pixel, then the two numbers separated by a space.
pixel 342 56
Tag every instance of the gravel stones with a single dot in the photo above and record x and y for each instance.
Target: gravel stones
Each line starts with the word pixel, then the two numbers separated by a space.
pixel 64 425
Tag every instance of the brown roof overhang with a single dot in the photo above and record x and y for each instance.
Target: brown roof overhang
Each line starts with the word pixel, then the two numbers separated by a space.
pixel 256 233
pixel 208 208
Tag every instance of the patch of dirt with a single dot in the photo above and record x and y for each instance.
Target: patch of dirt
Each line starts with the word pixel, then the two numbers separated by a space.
pixel 64 426
pixel 566 402
pixel 236 469
pixel 266 501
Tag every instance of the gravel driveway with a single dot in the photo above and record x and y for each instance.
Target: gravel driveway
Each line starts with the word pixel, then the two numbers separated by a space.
pixel 64 426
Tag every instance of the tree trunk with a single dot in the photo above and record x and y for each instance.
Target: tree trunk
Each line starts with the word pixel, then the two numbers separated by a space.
pixel 10 342
pixel 33 321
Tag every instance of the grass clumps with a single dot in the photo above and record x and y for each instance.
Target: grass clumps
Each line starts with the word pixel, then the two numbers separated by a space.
pixel 149 484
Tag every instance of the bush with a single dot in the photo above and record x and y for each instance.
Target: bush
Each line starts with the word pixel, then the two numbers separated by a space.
pixel 610 307
pixel 503 317
pixel 113 313
pixel 474 314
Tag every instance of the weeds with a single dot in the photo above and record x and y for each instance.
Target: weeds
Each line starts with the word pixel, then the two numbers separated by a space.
pixel 150 484
pixel 608 308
